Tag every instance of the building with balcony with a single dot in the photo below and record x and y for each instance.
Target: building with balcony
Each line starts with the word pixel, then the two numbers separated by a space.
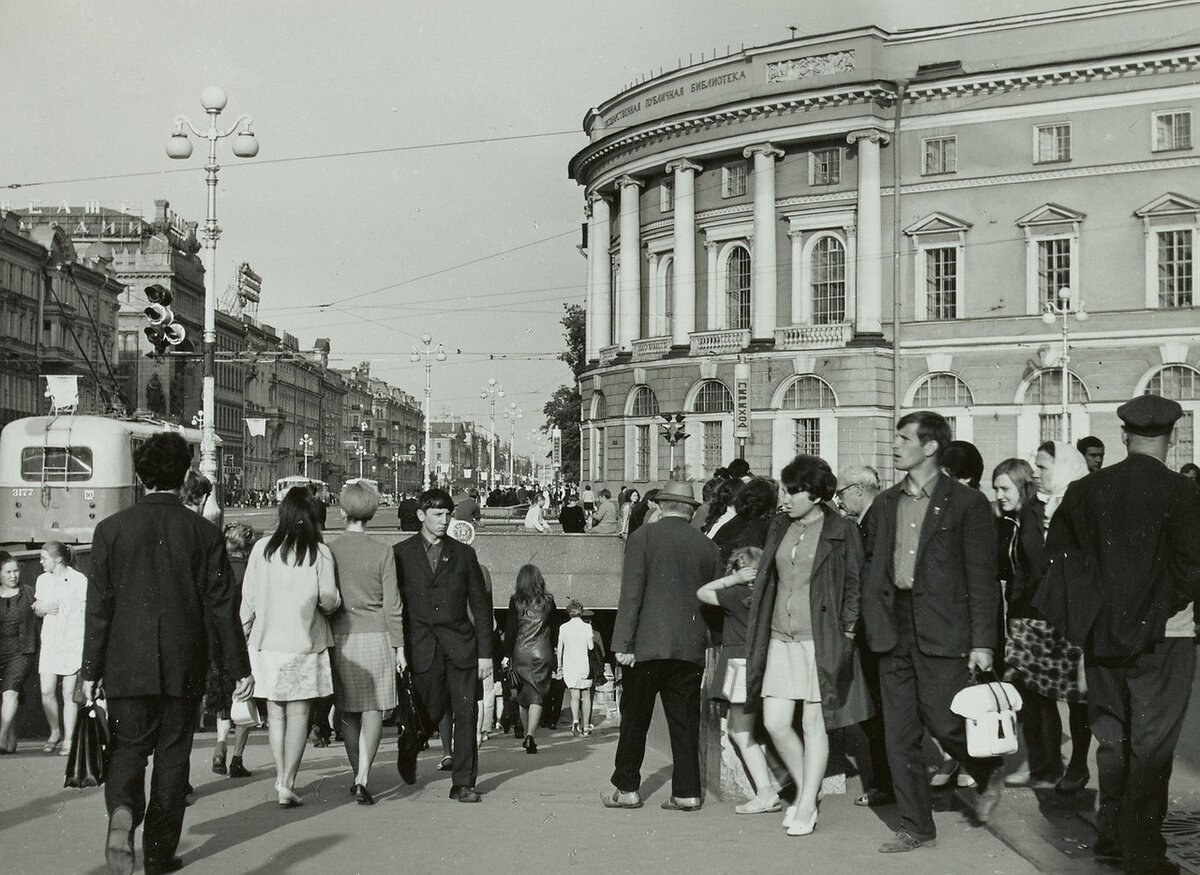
pixel 797 243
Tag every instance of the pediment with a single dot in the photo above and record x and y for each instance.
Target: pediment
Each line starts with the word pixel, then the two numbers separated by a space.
pixel 937 223
pixel 1169 204
pixel 1051 214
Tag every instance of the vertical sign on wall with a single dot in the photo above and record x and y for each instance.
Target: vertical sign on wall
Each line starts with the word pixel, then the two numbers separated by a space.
pixel 741 405
pixel 556 452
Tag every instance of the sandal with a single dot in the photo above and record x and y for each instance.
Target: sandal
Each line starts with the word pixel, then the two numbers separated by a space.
pixel 613 800
pixel 51 745
pixel 758 805
pixel 446 765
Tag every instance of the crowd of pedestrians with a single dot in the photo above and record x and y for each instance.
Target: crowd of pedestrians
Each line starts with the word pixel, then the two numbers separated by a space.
pixel 835 603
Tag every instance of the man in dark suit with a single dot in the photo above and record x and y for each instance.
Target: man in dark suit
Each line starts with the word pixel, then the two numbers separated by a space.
pixel 406 510
pixel 659 637
pixel 930 595
pixel 160 578
pixel 1127 539
pixel 449 613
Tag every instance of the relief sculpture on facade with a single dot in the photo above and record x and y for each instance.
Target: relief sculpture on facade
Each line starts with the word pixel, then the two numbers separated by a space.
pixel 795 69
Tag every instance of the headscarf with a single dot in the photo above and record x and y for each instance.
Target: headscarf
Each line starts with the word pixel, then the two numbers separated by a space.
pixel 1069 466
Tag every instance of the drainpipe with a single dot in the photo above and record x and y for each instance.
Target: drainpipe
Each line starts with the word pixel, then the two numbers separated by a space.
pixel 901 87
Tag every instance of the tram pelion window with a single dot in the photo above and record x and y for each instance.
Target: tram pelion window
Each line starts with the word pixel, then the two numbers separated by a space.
pixel 56 464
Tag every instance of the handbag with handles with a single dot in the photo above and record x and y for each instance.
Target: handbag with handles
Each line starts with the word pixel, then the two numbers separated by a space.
pixel 87 766
pixel 990 710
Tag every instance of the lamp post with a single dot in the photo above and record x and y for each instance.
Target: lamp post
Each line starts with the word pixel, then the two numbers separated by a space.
pixel 306 443
pixel 429 352
pixel 492 391
pixel 1063 309
pixel 673 433
pixel 396 457
pixel 213 99
pixel 513 414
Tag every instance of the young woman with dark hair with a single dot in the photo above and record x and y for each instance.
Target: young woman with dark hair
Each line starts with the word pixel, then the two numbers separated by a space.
pixel 753 505
pixel 720 507
pixel 530 651
pixel 963 462
pixel 289 589
pixel 18 645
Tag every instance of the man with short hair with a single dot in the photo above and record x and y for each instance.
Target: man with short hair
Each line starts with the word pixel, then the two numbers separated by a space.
pixel 467 509
pixel 1092 450
pixel 739 469
pixel 449 618
pixel 930 596
pixel 1128 566
pixel 659 638
pixel 406 510
pixel 858 488
pixel 160 580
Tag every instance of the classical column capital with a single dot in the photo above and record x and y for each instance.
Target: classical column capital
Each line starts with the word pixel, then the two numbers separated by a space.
pixel 764 149
pixel 595 196
pixel 795 234
pixel 624 181
pixel 710 245
pixel 682 164
pixel 880 138
pixel 651 257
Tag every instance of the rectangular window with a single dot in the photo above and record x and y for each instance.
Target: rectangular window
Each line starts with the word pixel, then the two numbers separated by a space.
pixel 1175 268
pixel 666 196
pixel 1184 450
pixel 1052 143
pixel 713 451
pixel 733 180
pixel 642 453
pixel 941 283
pixel 1172 130
pixel 940 155
pixel 1054 268
pixel 825 167
pixel 56 464
pixel 1049 427
pixel 808 436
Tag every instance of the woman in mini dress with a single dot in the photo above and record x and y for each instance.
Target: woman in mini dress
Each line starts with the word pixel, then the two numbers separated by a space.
pixel 800 653
pixel 289 589
pixel 575 639
pixel 61 599
pixel 527 639
pixel 18 646
pixel 368 634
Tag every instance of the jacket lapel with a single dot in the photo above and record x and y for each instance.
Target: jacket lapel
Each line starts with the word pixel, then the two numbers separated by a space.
pixel 935 515
pixel 885 536
pixel 444 557
pixel 417 558
pixel 829 534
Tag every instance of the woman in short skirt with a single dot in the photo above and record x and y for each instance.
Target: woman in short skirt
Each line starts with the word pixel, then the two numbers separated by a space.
pixel 289 589
pixel 530 651
pixel 800 653
pixel 368 634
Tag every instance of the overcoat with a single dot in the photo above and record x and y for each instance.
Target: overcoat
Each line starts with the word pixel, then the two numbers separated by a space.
pixel 834 595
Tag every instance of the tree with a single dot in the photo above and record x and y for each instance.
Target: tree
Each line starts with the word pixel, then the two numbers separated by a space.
pixel 562 410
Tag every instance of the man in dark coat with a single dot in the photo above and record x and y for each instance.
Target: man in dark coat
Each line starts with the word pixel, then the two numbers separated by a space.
pixel 406 510
pixel 1126 538
pixel 449 623
pixel 930 595
pixel 160 581
pixel 659 637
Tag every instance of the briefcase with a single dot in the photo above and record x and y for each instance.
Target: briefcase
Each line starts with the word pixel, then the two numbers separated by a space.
pixel 87 766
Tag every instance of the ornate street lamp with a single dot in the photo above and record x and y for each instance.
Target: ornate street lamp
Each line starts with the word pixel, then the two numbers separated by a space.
pixel 513 413
pixel 1064 309
pixel 492 391
pixel 306 443
pixel 429 352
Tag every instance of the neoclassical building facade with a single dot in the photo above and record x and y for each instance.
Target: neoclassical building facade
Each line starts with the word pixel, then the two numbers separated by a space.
pixel 794 244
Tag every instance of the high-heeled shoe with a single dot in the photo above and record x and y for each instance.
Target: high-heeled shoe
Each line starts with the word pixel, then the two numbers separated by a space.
pixel 287 799
pixel 362 796
pixel 803 828
pixel 529 744
pixel 576 730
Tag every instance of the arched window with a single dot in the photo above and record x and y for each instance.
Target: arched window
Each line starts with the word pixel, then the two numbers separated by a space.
pixel 1046 388
pixel 938 391
pixel 808 393
pixel 1179 383
pixel 645 403
pixel 713 397
pixel 599 406
pixel 828 286
pixel 737 287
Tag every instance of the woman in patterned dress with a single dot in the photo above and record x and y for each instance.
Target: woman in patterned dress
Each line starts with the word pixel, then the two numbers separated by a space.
pixel 289 589
pixel 61 593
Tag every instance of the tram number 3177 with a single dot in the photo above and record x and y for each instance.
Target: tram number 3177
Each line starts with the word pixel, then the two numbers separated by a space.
pixel 22 492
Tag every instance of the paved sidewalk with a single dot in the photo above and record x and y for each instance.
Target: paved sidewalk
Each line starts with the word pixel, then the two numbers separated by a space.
pixel 540 813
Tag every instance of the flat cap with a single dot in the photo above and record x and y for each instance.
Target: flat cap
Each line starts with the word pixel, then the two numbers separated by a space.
pixel 1149 415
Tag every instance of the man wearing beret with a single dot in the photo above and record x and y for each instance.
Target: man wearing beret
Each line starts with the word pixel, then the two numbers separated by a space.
pixel 1125 543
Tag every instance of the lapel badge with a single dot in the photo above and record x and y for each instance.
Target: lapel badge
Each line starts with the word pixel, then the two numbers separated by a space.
pixel 936 510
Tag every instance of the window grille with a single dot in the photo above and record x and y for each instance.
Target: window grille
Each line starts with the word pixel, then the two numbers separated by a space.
pixel 713 397
pixel 737 285
pixel 808 436
pixel 808 393
pixel 939 391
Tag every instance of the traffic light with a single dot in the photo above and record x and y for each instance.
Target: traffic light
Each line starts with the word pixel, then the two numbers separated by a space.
pixel 163 331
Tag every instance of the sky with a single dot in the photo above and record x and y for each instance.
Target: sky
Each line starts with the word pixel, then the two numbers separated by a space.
pixel 473 244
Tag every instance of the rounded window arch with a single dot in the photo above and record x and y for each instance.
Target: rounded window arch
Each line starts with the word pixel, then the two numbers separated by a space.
pixel 938 391
pixel 712 396
pixel 1177 382
pixel 827 279
pixel 737 286
pixel 642 402
pixel 805 392
pixel 599 406
pixel 1045 387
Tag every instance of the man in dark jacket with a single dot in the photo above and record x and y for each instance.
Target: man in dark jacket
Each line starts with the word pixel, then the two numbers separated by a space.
pixel 160 580
pixel 1126 538
pixel 406 510
pixel 659 637
pixel 448 612
pixel 930 595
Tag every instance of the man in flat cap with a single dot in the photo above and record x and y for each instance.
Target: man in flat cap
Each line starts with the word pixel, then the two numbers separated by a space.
pixel 1125 567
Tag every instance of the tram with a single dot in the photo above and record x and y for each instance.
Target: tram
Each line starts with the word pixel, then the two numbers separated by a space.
pixel 319 488
pixel 60 475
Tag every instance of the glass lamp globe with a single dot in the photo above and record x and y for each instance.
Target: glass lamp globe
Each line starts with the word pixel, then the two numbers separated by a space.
pixel 1082 315
pixel 179 146
pixel 1048 317
pixel 213 98
pixel 425 339
pixel 245 145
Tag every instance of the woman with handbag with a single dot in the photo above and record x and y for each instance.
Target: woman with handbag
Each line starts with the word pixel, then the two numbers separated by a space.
pixel 800 655
pixel 18 645
pixel 576 642
pixel 289 590
pixel 61 598
pixel 530 653
pixel 368 634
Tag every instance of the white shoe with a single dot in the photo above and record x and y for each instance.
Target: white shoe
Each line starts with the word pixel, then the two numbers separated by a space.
pixel 789 817
pixel 802 829
pixel 964 780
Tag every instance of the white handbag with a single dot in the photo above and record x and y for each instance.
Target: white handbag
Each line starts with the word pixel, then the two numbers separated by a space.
pixel 990 710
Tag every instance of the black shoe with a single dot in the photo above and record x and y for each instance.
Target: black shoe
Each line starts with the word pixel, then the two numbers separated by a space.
pixel 361 795
pixel 170 864
pixel 529 744
pixel 903 842
pixel 1105 847
pixel 236 769
pixel 218 762
pixel 118 846
pixel 465 794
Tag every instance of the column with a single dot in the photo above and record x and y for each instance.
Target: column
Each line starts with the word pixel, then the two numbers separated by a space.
pixel 684 293
pixel 714 304
pixel 656 309
pixel 763 318
pixel 599 235
pixel 629 320
pixel 869 303
pixel 801 301
pixel 589 325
